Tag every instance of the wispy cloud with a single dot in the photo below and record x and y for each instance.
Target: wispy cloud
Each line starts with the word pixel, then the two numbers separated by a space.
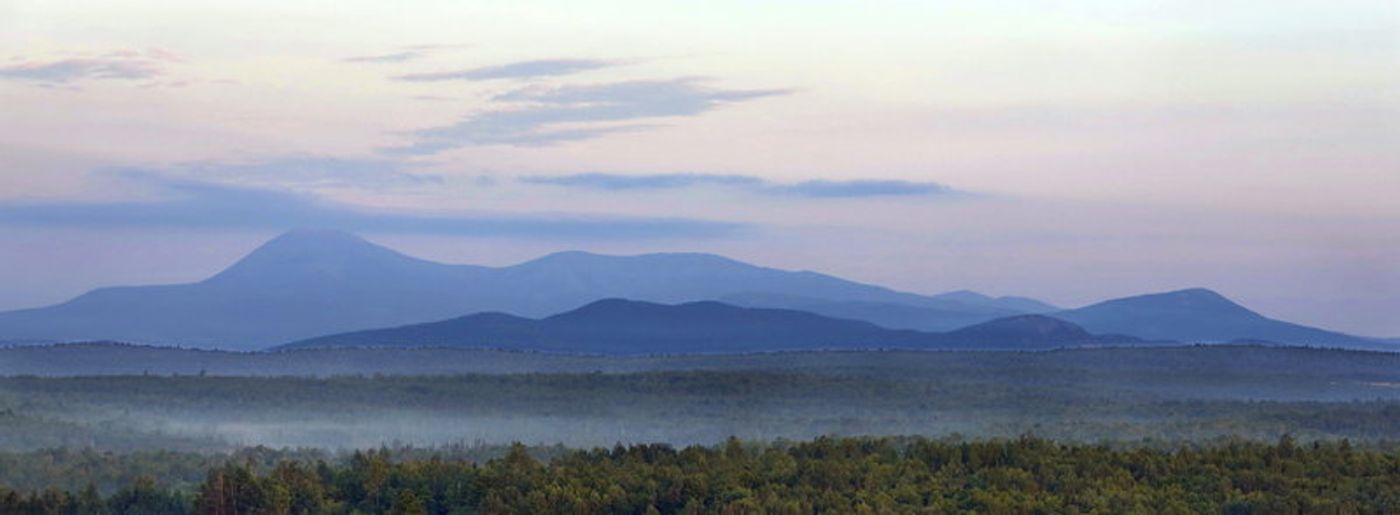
pixel 400 55
pixel 305 171
pixel 202 205
pixel 532 116
pixel 860 188
pixel 681 96
pixel 395 57
pixel 618 182
pixel 119 66
pixel 519 70
pixel 811 189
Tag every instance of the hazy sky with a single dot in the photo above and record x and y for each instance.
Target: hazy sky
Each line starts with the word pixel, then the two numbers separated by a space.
pixel 1071 151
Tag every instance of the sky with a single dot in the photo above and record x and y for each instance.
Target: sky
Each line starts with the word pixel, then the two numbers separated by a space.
pixel 1068 151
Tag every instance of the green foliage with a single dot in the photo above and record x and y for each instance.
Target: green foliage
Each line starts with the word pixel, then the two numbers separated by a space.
pixel 109 472
pixel 826 475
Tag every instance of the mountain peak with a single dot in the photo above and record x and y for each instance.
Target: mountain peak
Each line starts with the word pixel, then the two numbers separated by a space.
pixel 967 296
pixel 310 253
pixel 612 304
pixel 619 307
pixel 1195 315
pixel 1189 298
pixel 567 255
pixel 1026 327
pixel 1197 291
pixel 312 241
pixel 312 234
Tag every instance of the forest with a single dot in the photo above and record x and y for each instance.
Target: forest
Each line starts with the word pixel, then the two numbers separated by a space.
pixel 824 475
pixel 1184 430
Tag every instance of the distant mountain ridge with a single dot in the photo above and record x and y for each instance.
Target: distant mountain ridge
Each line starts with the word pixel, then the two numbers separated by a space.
pixel 938 313
pixel 300 283
pixel 1200 315
pixel 307 283
pixel 310 283
pixel 617 326
pixel 1011 302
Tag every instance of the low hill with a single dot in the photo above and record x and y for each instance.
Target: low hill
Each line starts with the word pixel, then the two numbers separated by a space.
pixel 616 326
pixel 1029 331
pixel 936 314
pixel 1201 315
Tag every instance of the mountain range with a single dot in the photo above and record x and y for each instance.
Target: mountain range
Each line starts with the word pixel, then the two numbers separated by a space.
pixel 938 313
pixel 310 283
pixel 619 326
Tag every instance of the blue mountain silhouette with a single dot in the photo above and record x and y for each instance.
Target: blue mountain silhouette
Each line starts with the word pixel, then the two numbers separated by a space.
pixel 308 283
pixel 617 326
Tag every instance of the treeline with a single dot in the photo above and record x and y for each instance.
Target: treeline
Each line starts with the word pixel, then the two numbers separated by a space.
pixel 826 475
pixel 110 472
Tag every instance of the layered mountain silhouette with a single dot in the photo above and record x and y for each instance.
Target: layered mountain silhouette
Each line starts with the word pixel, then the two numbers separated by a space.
pixel 936 313
pixel 1200 315
pixel 299 284
pixel 308 283
pixel 1034 331
pixel 616 326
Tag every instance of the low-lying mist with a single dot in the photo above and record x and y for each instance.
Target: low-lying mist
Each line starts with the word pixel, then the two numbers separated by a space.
pixel 682 407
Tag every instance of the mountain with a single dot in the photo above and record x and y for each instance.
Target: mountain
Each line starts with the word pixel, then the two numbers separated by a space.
pixel 1032 331
pixel 940 312
pixel 569 279
pixel 1009 303
pixel 299 284
pixel 307 283
pixel 1200 315
pixel 933 314
pixel 616 326
pixel 1035 332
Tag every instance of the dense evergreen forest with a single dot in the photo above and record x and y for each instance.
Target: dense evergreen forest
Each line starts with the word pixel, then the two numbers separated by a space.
pixel 1186 430
pixel 826 475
